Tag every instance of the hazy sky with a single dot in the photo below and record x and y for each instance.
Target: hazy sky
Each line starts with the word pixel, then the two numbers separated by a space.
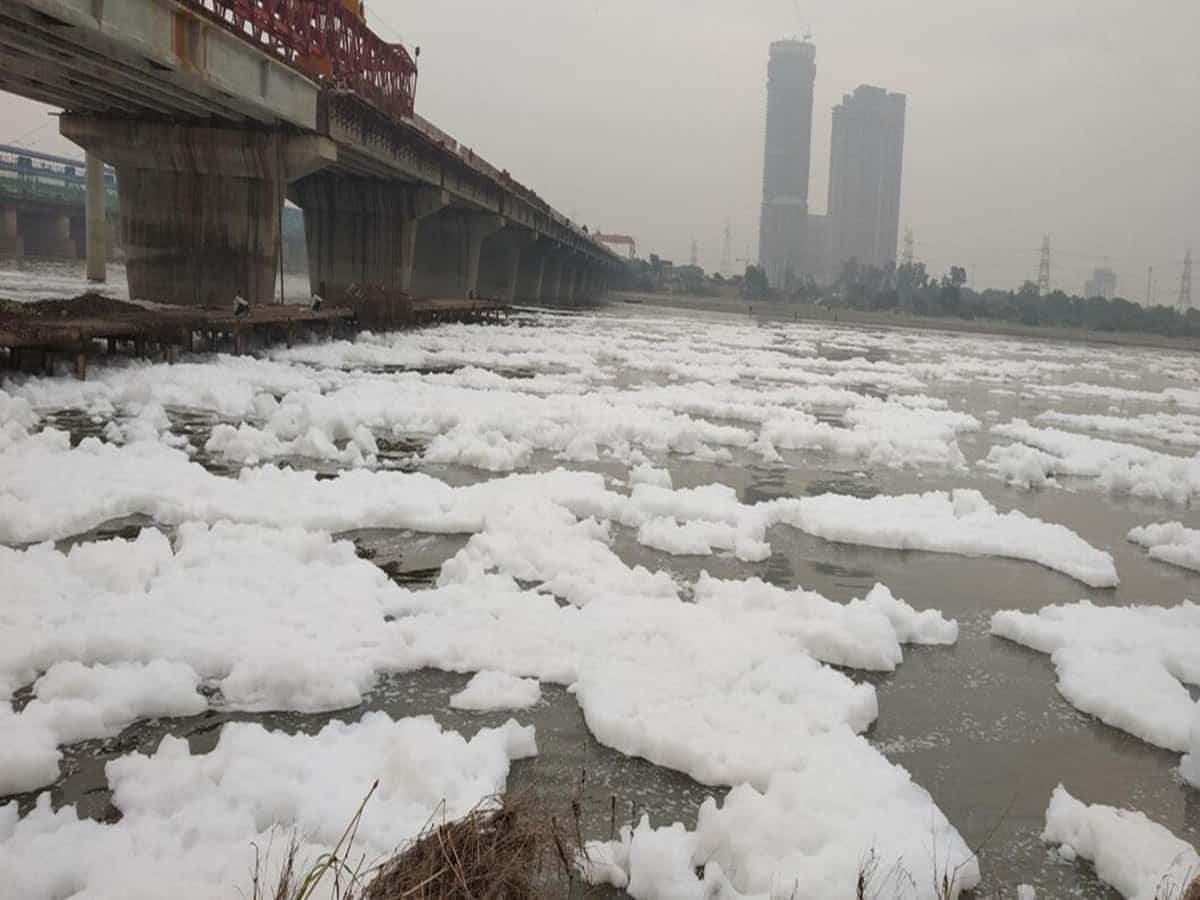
pixel 1077 118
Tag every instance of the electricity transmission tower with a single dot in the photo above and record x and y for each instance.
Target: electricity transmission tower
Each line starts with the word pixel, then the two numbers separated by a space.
pixel 1185 284
pixel 695 259
pixel 727 252
pixel 908 247
pixel 1043 282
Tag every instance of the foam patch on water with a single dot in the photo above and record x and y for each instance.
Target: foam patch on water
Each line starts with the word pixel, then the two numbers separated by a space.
pixel 1171 542
pixel 1138 857
pixel 1126 665
pixel 190 823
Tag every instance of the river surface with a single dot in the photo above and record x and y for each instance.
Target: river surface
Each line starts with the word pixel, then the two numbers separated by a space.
pixel 979 724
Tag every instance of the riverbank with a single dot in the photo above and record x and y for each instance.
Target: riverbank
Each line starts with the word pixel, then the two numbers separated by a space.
pixel 863 319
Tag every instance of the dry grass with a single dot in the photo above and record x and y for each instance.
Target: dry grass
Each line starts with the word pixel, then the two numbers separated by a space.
pixel 1190 891
pixel 507 848
pixel 499 851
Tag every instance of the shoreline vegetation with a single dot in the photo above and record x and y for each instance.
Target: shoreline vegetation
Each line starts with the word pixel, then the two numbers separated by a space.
pixel 856 318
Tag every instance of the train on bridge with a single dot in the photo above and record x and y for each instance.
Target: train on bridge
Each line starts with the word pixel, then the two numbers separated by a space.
pixel 32 175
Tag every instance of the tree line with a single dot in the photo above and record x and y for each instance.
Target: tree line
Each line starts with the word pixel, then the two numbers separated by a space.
pixel 909 288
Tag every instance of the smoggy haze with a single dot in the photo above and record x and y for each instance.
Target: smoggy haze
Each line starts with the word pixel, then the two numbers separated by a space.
pixel 1081 119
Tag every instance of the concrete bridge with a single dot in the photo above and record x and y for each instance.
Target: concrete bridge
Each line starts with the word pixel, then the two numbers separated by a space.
pixel 214 111
pixel 42 206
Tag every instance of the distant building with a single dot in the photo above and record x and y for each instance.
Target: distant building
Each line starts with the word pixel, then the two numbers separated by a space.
pixel 865 162
pixel 818 250
pixel 791 72
pixel 1103 283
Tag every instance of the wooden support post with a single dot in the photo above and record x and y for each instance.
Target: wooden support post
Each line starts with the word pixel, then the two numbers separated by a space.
pixel 112 346
pixel 291 335
pixel 81 365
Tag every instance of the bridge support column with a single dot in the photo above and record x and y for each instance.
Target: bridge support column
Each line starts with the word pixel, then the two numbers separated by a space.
pixel 11 244
pixel 531 272
pixel 552 281
pixel 361 231
pixel 96 234
pixel 47 234
pixel 200 206
pixel 570 274
pixel 449 245
pixel 500 263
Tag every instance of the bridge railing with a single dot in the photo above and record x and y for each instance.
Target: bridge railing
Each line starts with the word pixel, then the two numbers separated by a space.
pixel 325 40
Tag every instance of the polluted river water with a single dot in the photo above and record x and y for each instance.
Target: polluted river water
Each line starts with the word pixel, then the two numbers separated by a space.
pixel 656 404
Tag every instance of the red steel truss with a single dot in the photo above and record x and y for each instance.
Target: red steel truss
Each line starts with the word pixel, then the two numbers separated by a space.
pixel 325 40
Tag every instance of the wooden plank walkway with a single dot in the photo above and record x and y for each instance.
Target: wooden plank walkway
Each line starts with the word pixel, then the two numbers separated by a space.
pixel 163 332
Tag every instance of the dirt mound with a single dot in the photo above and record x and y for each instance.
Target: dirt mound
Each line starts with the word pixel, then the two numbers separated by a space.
pixel 85 306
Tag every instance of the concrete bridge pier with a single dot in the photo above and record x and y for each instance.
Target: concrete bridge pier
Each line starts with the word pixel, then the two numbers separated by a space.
pixel 361 231
pixel 47 233
pixel 96 235
pixel 583 286
pixel 200 205
pixel 569 279
pixel 552 282
pixel 500 262
pixel 12 246
pixel 449 248
pixel 531 272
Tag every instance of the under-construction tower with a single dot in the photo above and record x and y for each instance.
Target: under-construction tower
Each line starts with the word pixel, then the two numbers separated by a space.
pixel 1043 282
pixel 1185 284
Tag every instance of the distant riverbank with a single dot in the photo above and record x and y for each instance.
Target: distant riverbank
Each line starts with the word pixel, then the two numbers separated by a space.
pixel 865 319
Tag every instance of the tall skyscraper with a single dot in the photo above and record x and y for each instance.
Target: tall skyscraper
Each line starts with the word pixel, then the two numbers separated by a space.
pixel 864 176
pixel 790 75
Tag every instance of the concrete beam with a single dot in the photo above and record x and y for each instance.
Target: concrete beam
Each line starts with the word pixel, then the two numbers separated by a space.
pixel 171 46
pixel 200 149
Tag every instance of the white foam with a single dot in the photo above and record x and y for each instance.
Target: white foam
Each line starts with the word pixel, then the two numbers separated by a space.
pixel 1138 857
pixel 805 835
pixel 190 823
pixel 488 691
pixel 1122 664
pixel 1170 542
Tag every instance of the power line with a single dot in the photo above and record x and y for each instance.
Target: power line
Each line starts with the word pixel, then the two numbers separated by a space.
pixel 31 132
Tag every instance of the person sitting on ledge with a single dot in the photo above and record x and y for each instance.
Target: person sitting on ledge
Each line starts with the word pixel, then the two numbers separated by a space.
pixel 316 303
pixel 241 306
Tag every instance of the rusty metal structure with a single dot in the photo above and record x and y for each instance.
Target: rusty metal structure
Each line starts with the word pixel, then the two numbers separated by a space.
pixel 327 40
